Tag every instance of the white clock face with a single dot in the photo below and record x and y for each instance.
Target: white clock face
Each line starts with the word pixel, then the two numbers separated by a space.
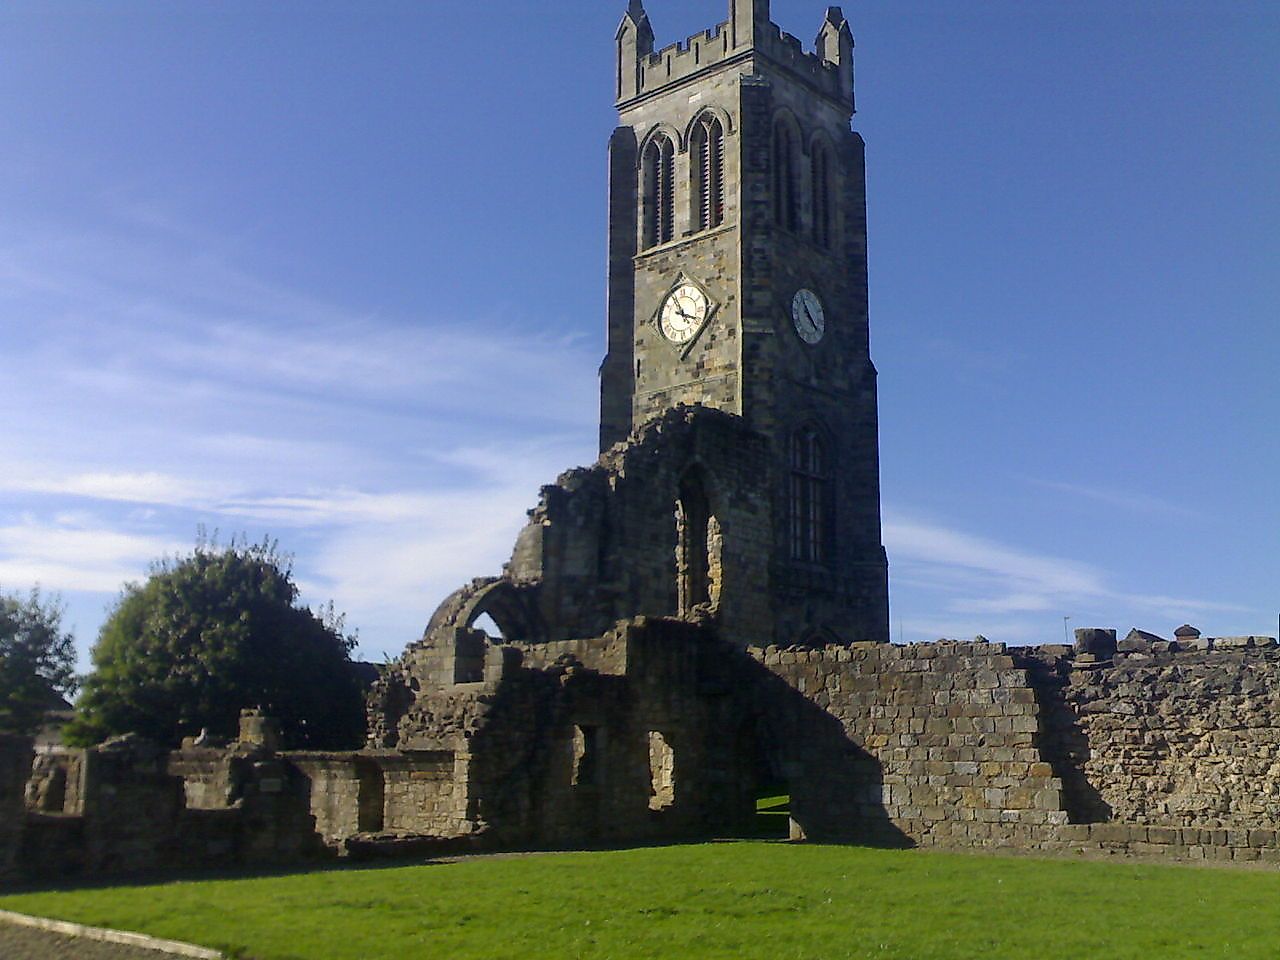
pixel 808 316
pixel 683 313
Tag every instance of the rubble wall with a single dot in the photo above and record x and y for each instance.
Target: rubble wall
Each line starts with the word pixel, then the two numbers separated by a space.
pixel 1168 738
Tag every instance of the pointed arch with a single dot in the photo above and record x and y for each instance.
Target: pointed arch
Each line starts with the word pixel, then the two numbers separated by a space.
pixel 657 188
pixel 706 170
pixel 823 192
pixel 678 138
pixel 657 155
pixel 698 546
pixel 786 171
pixel 820 636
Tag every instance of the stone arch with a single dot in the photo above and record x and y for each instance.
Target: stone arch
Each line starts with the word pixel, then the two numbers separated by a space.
pixel 668 130
pixel 824 193
pixel 707 199
pixel 724 116
pixel 819 636
pixel 509 606
pixel 787 154
pixel 657 175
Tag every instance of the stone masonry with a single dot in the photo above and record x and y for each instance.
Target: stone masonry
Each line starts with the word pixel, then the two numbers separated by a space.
pixel 699 618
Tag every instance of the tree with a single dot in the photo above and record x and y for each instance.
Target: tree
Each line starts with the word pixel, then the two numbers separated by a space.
pixel 210 634
pixel 37 661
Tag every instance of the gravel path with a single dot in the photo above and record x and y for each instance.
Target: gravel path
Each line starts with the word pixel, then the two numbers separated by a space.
pixel 27 943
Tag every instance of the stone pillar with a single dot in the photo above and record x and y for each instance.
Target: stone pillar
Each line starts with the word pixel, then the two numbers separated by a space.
pixel 259 730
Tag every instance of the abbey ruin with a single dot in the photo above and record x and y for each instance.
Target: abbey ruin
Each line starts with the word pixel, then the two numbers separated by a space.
pixel 701 617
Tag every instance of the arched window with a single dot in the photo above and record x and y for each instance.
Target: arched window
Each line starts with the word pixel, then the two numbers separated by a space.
pixel 786 167
pixel 708 172
pixel 823 182
pixel 810 473
pixel 659 176
pixel 698 544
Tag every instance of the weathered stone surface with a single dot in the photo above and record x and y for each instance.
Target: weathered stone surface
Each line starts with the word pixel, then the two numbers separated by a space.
pixel 15 765
pixel 1098 643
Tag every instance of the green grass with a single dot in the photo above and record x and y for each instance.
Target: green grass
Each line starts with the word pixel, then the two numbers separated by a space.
pixel 731 900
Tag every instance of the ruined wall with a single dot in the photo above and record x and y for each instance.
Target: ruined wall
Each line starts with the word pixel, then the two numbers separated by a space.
pixel 1168 737
pixel 56 784
pixel 558 749
pixel 15 764
pixel 602 544
pixel 936 743
pixel 144 808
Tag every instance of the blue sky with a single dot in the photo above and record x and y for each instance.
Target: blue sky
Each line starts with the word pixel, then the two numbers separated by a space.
pixel 334 273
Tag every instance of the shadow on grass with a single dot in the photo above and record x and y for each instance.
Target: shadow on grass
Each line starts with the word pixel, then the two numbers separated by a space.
pixel 772 823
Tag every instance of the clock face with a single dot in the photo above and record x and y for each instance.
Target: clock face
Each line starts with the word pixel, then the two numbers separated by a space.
pixel 808 316
pixel 683 313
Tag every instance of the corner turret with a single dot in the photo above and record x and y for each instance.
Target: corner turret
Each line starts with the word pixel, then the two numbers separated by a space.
pixel 748 19
pixel 835 46
pixel 635 44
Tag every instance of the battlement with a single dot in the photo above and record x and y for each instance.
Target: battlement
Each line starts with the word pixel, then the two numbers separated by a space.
pixel 642 71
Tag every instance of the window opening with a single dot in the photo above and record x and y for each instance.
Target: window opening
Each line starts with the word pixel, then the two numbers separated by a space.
pixel 708 147
pixel 371 797
pixel 586 756
pixel 809 474
pixel 785 168
pixel 693 543
pixel 823 192
pixel 662 772
pixel 659 191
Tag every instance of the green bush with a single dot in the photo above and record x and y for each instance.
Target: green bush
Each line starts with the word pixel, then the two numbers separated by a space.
pixel 210 634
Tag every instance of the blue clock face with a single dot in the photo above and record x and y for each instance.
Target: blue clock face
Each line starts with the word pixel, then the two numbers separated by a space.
pixel 808 316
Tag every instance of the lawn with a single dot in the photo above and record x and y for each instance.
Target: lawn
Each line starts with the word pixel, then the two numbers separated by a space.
pixel 733 900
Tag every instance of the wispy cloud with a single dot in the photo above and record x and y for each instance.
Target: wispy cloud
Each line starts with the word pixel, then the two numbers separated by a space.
pixel 152 385
pixel 66 554
pixel 1129 500
pixel 991 586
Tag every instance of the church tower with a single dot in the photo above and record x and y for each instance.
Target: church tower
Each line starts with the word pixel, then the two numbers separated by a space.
pixel 738 280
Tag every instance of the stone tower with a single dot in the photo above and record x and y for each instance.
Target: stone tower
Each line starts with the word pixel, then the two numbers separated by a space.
pixel 738 280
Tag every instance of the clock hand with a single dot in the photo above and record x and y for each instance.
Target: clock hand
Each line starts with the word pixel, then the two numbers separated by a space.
pixel 809 316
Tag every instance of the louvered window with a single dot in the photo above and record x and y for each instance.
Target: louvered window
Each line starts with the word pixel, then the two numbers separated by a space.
pixel 708 152
pixel 659 175
pixel 809 496
pixel 785 169
pixel 823 196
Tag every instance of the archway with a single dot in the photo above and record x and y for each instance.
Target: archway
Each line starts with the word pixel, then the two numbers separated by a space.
pixel 697 543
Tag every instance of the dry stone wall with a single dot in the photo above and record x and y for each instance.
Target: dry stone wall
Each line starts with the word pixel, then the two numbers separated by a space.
pixel 1168 737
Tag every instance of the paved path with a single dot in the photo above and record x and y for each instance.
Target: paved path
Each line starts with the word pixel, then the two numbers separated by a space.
pixel 27 943
pixel 24 937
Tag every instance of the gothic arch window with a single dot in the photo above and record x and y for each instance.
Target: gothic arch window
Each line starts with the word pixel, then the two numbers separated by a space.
pixel 698 543
pixel 810 496
pixel 658 172
pixel 708 172
pixel 822 182
pixel 786 173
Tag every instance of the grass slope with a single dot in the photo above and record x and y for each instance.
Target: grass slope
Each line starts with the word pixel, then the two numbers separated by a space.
pixel 731 900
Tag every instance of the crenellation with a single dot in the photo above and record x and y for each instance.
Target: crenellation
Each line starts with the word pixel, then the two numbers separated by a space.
pixel 645 72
